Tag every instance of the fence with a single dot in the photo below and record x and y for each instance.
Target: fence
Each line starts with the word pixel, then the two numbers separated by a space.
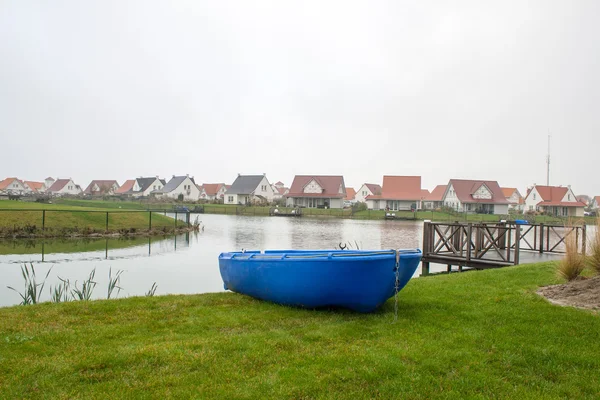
pixel 90 221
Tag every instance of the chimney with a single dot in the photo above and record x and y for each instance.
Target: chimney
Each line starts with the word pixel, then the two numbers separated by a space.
pixel 239 174
pixel 187 175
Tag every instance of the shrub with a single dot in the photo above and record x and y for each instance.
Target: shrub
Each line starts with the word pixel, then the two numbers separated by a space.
pixel 593 261
pixel 573 264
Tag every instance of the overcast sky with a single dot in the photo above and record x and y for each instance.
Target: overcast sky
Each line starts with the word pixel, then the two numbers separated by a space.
pixel 120 89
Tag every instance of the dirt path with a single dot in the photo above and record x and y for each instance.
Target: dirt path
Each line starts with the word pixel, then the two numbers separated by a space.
pixel 581 293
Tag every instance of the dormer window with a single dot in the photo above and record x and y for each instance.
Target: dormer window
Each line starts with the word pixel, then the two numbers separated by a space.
pixel 534 196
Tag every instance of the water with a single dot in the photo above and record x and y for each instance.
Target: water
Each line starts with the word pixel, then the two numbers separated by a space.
pixel 188 263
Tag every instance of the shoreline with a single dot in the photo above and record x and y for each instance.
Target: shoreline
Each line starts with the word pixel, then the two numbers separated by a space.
pixel 99 235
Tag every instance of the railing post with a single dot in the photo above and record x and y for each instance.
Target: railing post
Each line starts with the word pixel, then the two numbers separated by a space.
pixel 149 220
pixel 43 220
pixel 584 238
pixel 175 219
pixel 541 238
pixel 107 221
pixel 426 245
pixel 469 236
pixel 517 243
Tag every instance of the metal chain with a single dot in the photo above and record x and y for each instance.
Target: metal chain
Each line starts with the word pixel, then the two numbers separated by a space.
pixel 396 285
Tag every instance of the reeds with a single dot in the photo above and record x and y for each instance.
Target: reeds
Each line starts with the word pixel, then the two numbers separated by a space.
pixel 33 290
pixel 593 260
pixel 150 293
pixel 574 262
pixel 87 287
pixel 113 282
pixel 60 293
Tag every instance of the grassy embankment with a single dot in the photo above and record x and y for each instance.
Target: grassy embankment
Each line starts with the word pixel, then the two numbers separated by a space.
pixel 80 220
pixel 58 245
pixel 482 334
pixel 437 216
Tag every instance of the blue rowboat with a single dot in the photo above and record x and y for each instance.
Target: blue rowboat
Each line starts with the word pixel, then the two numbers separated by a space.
pixel 360 280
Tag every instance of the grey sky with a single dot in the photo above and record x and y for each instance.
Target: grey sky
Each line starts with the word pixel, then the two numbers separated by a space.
pixel 119 89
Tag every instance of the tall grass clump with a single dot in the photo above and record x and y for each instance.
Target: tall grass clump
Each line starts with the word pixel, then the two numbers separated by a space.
pixel 593 260
pixel 33 290
pixel 87 287
pixel 113 282
pixel 152 291
pixel 573 263
pixel 60 293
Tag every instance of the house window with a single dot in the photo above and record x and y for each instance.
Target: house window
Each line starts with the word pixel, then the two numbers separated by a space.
pixel 569 197
pixel 364 193
pixel 534 196
pixel 263 188
pixel 530 208
pixel 230 199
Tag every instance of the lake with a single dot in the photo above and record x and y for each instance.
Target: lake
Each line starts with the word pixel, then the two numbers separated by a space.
pixel 188 263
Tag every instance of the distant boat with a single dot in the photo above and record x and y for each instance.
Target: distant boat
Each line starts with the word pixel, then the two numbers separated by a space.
pixel 360 280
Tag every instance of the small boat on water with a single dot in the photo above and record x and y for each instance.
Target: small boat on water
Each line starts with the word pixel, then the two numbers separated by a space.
pixel 360 280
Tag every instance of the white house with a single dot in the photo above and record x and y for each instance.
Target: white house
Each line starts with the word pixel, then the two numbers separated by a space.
pixel 559 201
pixel 398 193
pixel 249 189
pixel 212 191
pixel 515 200
pixel 101 187
pixel 14 186
pixel 317 191
pixel 473 196
pixel 36 187
pixel 180 185
pixel 62 187
pixel 435 199
pixel 367 189
pixel 48 182
pixel 595 203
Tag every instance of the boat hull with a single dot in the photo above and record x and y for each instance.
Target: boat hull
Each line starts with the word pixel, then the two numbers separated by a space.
pixel 358 280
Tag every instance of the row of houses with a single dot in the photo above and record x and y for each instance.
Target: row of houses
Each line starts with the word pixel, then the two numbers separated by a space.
pixel 328 191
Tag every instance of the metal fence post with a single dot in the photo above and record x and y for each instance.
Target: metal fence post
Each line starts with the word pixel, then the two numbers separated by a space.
pixel 107 221
pixel 175 219
pixel 43 220
pixel 149 220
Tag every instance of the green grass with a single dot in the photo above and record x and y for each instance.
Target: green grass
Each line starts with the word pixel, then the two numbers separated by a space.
pixel 472 335
pixel 56 245
pixel 81 218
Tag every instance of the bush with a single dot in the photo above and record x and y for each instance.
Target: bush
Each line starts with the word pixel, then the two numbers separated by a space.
pixel 359 206
pixel 593 261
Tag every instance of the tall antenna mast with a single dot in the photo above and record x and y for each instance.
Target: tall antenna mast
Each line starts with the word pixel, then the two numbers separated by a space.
pixel 548 162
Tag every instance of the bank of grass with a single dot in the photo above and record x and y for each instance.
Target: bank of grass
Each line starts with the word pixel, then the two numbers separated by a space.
pixel 473 335
pixel 58 245
pixel 79 219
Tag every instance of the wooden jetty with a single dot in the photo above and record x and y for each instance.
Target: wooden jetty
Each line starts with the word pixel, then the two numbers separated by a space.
pixel 493 245
pixel 275 212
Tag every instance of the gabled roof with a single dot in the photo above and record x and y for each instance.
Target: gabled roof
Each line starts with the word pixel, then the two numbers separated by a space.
pixel 145 183
pixel 103 184
pixel 465 189
pixel 279 183
pixel 126 187
pixel 58 185
pixel 35 186
pixel 400 188
pixel 283 190
pixel 6 182
pixel 49 179
pixel 508 191
pixel 350 194
pixel 597 199
pixel 212 189
pixel 245 184
pixel 174 183
pixel 553 196
pixel 329 183
pixel 374 188
pixel 437 194
pixel 424 194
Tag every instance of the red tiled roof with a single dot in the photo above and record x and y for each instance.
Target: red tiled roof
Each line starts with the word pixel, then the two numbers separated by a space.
pixel 58 185
pixel 282 190
pixel 400 188
pixel 465 189
pixel 279 183
pixel 508 191
pixel 437 194
pixel 6 182
pixel 374 188
pixel 126 187
pixel 103 184
pixel 329 183
pixel 350 193
pixel 35 186
pixel 552 193
pixel 424 193
pixel 597 199
pixel 212 188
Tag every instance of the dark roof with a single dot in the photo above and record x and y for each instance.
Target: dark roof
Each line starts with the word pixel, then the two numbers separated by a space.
pixel 145 183
pixel 104 185
pixel 245 184
pixel 174 183
pixel 58 185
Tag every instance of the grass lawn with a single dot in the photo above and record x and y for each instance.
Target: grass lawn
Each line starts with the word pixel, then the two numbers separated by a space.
pixel 57 245
pixel 479 334
pixel 80 218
